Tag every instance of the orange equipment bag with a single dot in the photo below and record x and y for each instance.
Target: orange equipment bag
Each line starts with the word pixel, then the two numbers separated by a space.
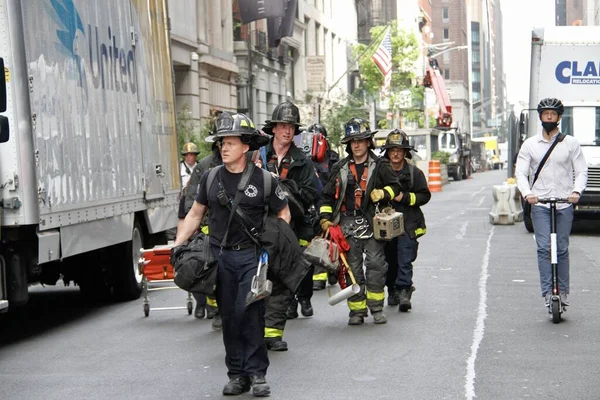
pixel 159 265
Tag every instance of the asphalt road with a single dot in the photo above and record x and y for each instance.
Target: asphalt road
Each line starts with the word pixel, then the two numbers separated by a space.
pixel 477 329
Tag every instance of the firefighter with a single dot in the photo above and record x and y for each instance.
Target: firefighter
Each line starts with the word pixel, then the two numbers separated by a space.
pixel 320 276
pixel 246 355
pixel 190 154
pixel 356 184
pixel 401 252
pixel 297 177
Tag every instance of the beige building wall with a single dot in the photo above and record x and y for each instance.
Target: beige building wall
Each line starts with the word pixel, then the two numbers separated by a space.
pixel 203 59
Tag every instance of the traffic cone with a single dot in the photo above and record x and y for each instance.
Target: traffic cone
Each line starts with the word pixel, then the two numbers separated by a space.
pixel 435 177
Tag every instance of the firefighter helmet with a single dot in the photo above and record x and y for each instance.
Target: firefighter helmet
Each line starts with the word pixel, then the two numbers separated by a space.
pixel 318 128
pixel 286 113
pixel 240 125
pixel 398 138
pixel 356 129
pixel 551 103
pixel 189 148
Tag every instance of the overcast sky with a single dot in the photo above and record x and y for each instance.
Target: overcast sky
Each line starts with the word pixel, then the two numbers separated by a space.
pixel 520 16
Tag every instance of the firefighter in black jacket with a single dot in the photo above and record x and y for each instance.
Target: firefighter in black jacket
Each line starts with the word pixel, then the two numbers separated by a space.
pixel 401 252
pixel 297 177
pixel 356 184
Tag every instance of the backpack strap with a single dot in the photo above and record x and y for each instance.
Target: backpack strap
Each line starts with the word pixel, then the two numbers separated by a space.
pixel 212 174
pixel 411 168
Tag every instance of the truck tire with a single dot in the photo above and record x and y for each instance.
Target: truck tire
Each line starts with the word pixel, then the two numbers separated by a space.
pixel 93 277
pixel 128 284
pixel 459 173
pixel 467 169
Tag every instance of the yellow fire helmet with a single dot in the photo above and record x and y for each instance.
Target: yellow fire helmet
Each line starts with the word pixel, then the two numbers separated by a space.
pixel 188 148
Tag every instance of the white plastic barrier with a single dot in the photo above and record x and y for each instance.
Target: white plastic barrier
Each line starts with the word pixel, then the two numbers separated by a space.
pixel 507 208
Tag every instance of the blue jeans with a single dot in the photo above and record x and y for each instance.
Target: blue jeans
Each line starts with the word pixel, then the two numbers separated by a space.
pixel 400 253
pixel 540 216
pixel 243 327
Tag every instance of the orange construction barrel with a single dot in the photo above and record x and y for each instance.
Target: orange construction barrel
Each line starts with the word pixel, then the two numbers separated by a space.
pixel 435 177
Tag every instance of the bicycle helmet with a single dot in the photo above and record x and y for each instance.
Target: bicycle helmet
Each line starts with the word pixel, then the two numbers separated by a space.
pixel 551 103
pixel 286 113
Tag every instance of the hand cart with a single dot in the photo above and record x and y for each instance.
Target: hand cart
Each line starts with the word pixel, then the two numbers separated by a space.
pixel 155 268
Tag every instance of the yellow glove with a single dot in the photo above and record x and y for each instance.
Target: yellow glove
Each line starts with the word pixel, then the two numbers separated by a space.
pixel 377 194
pixel 325 224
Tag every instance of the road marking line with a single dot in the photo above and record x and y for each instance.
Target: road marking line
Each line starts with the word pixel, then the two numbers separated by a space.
pixel 481 201
pixel 462 231
pixel 480 324
pixel 481 189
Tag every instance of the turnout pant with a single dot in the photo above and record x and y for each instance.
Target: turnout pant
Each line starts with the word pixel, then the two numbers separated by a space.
pixel 245 350
pixel 276 307
pixel 400 253
pixel 371 278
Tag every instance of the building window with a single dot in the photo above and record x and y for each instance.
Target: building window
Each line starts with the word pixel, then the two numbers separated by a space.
pixel 475 57
pixel 475 32
pixel 445 14
pixel 447 74
pixel 446 33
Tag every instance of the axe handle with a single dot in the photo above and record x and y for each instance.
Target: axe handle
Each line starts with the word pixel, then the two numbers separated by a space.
pixel 343 257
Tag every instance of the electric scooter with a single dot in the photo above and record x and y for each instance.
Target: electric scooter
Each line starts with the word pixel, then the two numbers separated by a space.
pixel 556 307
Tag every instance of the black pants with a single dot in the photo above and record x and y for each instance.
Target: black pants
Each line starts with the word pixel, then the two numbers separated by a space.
pixel 305 290
pixel 243 327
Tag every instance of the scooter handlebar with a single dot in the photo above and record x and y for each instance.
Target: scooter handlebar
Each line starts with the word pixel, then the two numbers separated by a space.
pixel 555 200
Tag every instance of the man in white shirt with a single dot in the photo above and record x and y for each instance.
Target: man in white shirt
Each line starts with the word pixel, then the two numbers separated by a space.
pixel 555 180
pixel 190 154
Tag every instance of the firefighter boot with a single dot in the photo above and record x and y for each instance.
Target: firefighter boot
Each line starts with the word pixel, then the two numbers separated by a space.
pixel 356 319
pixel 276 344
pixel 393 299
pixel 404 296
pixel 260 387
pixel 236 386
pixel 379 317
pixel 200 311
pixel 292 311
pixel 306 308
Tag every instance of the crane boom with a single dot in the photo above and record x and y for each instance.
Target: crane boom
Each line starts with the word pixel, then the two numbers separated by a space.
pixel 434 79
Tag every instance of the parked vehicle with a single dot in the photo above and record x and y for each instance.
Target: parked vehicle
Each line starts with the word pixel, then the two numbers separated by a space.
pixel 89 159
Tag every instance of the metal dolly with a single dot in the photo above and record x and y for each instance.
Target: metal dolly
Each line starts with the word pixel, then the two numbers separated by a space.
pixel 155 267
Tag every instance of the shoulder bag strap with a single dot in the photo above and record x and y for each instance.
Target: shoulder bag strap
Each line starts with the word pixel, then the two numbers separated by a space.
pixel 246 175
pixel 558 139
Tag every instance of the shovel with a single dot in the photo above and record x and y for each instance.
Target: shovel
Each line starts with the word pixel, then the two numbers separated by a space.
pixel 261 287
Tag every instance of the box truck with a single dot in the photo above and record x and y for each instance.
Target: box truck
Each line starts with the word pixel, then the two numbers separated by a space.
pixel 565 65
pixel 89 153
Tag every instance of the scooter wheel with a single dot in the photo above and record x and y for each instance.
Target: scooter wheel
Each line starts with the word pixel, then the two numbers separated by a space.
pixel 556 312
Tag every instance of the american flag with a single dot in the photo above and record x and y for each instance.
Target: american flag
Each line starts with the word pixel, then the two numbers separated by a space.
pixel 383 59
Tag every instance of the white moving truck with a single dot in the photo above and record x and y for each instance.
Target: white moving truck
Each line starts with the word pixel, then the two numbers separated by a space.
pixel 565 64
pixel 89 153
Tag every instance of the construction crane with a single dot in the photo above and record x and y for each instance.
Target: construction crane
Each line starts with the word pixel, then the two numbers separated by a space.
pixel 434 79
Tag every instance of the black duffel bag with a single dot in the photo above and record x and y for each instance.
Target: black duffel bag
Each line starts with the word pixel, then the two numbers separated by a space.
pixel 195 267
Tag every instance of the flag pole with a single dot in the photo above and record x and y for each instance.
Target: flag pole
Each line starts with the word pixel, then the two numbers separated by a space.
pixel 376 40
pixel 250 85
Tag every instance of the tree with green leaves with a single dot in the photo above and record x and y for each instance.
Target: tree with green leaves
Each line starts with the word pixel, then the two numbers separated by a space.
pixel 190 130
pixel 405 52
